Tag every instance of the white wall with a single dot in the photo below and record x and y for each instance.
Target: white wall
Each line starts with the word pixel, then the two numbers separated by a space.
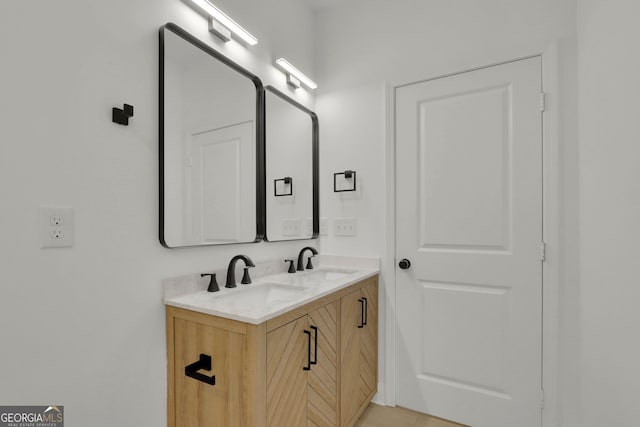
pixel 84 326
pixel 609 67
pixel 363 44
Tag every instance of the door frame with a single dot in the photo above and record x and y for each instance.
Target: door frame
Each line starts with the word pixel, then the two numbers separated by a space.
pixel 551 215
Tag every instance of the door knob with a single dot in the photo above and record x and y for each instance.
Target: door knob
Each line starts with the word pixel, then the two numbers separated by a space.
pixel 404 264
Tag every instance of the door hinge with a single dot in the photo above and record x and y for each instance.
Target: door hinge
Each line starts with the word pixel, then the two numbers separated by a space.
pixel 541 398
pixel 543 251
pixel 543 101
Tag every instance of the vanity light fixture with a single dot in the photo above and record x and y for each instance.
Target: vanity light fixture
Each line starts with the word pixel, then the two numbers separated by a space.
pixel 222 26
pixel 295 76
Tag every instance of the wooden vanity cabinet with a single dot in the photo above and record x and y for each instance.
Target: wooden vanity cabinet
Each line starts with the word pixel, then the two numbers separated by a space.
pixel 260 375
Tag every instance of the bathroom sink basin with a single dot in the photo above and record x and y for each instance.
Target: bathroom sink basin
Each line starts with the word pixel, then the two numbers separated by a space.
pixel 260 295
pixel 312 277
pixel 328 274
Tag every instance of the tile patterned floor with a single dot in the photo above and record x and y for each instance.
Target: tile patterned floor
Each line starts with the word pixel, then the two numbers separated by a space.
pixel 385 416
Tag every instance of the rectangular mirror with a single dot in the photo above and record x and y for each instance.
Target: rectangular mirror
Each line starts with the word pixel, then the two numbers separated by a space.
pixel 291 157
pixel 210 145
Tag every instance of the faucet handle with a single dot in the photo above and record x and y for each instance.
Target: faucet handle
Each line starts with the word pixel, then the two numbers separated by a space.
pixel 309 265
pixel 246 279
pixel 213 284
pixel 292 269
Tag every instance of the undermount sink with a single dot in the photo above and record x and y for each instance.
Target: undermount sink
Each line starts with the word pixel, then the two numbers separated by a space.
pixel 313 277
pixel 258 296
pixel 328 274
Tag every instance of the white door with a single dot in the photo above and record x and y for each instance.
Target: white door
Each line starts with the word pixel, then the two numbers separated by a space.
pixel 469 219
pixel 222 196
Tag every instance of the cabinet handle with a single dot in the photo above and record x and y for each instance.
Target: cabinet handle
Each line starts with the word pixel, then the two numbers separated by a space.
pixel 362 320
pixel 366 309
pixel 308 367
pixel 204 363
pixel 315 351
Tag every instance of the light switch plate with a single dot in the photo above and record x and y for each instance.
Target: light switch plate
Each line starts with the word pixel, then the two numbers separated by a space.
pixel 56 226
pixel 345 227
pixel 291 227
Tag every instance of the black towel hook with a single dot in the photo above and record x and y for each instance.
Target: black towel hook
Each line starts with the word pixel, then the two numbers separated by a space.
pixel 121 115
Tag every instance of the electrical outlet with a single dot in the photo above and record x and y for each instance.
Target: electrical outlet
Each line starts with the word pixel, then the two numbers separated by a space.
pixel 291 227
pixel 57 233
pixel 345 227
pixel 56 226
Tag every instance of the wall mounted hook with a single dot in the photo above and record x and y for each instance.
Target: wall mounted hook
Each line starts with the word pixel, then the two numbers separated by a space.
pixel 121 115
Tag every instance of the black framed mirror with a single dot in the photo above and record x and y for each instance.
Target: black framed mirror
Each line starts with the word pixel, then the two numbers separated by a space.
pixel 291 168
pixel 211 151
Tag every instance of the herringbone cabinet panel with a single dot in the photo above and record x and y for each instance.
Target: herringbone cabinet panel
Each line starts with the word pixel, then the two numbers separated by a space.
pixel 350 393
pixel 322 388
pixel 358 351
pixel 286 379
pixel 369 344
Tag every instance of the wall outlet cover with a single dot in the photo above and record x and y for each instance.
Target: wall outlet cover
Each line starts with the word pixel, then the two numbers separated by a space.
pixel 291 227
pixel 345 227
pixel 56 226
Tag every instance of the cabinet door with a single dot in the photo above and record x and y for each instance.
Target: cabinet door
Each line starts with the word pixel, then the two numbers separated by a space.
pixel 198 404
pixel 322 388
pixel 369 343
pixel 350 391
pixel 358 351
pixel 287 355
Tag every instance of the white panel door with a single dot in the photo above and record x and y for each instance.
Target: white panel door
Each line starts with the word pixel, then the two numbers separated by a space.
pixel 222 200
pixel 469 219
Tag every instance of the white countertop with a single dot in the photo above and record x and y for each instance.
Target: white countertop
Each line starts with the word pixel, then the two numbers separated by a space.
pixel 270 295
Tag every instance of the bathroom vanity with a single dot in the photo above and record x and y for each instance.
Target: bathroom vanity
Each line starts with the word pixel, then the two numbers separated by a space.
pixel 295 349
pixel 289 350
